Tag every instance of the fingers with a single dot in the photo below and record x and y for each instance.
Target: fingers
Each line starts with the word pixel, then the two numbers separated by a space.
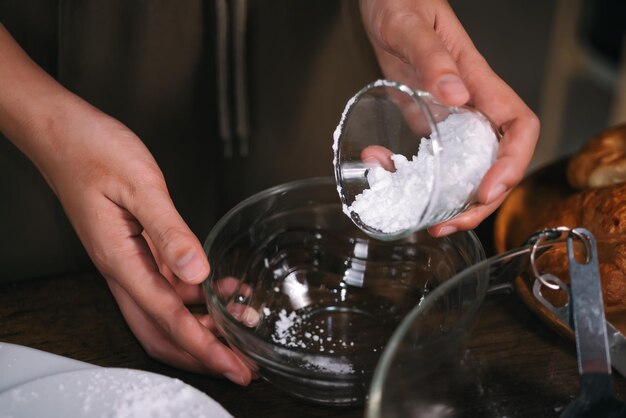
pixel 379 155
pixel 207 322
pixel 426 38
pixel 247 315
pixel 519 124
pixel 492 96
pixel 164 307
pixel 408 35
pixel 130 263
pixel 226 288
pixel 156 344
pixel 467 220
pixel 176 245
pixel 516 150
pixel 191 294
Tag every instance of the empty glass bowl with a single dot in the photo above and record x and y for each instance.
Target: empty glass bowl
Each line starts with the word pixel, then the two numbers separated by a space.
pixel 404 162
pixel 470 350
pixel 308 298
pixel 425 369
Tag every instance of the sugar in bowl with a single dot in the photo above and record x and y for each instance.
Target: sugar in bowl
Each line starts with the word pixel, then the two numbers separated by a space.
pixel 405 162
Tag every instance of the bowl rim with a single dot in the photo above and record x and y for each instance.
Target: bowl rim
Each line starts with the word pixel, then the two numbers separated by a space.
pixel 280 188
pixel 213 301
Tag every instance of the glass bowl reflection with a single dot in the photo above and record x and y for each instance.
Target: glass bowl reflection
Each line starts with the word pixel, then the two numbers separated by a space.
pixel 309 299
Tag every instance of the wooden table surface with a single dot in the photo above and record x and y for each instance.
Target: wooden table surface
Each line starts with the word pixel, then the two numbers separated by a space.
pixel 76 316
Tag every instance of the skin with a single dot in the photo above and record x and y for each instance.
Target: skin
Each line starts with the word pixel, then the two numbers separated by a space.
pixel 422 44
pixel 116 197
pixel 117 201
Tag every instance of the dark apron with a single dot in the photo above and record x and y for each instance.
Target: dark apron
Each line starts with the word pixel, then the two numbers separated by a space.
pixel 153 65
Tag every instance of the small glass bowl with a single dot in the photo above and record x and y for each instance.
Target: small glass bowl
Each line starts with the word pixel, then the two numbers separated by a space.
pixel 309 299
pixel 442 144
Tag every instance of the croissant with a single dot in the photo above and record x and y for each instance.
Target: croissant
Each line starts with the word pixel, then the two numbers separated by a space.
pixel 603 212
pixel 601 161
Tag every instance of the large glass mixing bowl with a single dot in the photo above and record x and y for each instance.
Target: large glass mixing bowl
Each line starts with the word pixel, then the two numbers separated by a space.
pixel 473 349
pixel 424 370
pixel 308 298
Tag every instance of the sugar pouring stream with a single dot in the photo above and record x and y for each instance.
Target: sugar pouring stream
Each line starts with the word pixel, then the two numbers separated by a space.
pixel 404 162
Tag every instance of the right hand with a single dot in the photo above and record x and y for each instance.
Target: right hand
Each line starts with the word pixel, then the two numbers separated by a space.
pixel 422 44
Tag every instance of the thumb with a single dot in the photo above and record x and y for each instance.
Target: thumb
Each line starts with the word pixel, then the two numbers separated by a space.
pixel 176 245
pixel 415 41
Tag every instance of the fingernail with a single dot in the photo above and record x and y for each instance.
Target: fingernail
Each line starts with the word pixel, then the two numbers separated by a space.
pixel 371 162
pixel 445 231
pixel 190 266
pixel 250 317
pixel 495 192
pixel 235 378
pixel 452 85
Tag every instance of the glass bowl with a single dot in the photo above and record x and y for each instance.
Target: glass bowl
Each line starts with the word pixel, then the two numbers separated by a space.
pixel 310 300
pixel 398 151
pixel 423 369
pixel 471 350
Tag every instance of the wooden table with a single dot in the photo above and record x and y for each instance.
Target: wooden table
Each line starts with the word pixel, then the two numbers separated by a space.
pixel 76 316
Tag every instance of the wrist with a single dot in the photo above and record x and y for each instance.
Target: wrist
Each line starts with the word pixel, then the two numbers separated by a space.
pixel 37 113
pixel 44 127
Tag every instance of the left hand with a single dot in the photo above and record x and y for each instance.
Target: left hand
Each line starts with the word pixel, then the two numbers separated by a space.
pixel 422 44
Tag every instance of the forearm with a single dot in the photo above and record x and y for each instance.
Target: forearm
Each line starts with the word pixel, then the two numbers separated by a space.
pixel 35 110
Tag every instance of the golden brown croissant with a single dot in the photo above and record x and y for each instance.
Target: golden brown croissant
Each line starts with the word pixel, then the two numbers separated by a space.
pixel 601 161
pixel 603 212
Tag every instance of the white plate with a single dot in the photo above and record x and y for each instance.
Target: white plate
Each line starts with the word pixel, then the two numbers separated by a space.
pixel 20 364
pixel 107 392
pixel 36 383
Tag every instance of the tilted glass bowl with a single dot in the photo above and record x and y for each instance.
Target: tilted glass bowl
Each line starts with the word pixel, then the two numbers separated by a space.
pixel 308 298
pixel 399 151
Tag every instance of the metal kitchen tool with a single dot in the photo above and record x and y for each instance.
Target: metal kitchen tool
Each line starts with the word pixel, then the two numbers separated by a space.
pixel 502 269
pixel 438 363
pixel 587 316
pixel 616 340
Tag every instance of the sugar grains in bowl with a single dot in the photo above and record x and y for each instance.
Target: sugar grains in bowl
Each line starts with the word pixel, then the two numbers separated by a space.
pixel 308 298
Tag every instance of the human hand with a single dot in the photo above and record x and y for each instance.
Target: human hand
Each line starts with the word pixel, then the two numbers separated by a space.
pixel 422 44
pixel 116 198
pixel 151 260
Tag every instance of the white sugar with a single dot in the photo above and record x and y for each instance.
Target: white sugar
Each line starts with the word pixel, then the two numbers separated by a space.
pixel 336 136
pixel 327 364
pixel 395 201
pixel 111 393
pixel 145 395
pixel 284 326
pixel 137 401
pixel 289 332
